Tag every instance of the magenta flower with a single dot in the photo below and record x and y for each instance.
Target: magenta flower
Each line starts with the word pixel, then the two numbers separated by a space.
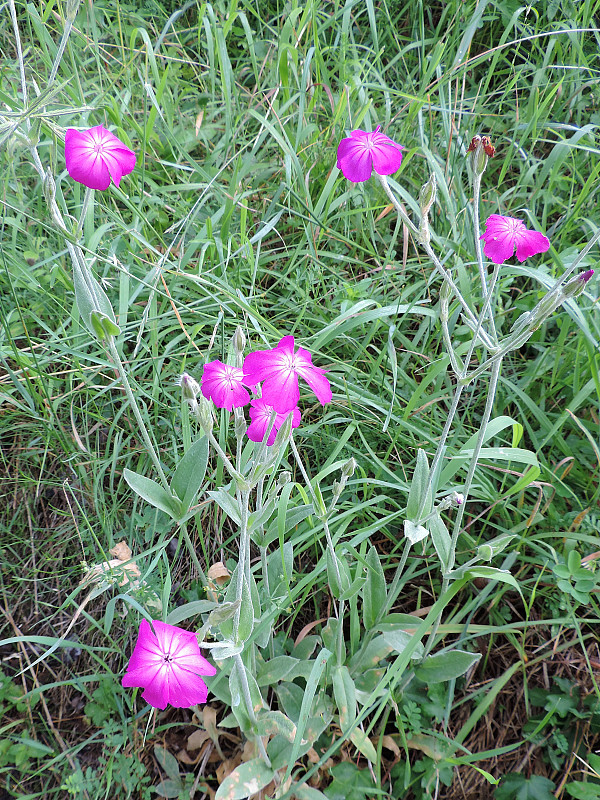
pixel 224 385
pixel 279 370
pixel 260 414
pixel 167 664
pixel 503 234
pixel 96 156
pixel 363 152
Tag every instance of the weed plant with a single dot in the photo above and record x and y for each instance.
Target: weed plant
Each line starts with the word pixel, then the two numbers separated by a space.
pixel 371 672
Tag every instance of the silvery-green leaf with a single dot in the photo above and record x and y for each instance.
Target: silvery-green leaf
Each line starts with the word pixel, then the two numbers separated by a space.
pixel 414 533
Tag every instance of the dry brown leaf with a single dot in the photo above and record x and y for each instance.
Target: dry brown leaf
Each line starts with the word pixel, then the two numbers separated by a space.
pixel 390 744
pixel 226 767
pixel 218 573
pixel 197 739
pixel 209 720
pixel 121 550
pixel 183 756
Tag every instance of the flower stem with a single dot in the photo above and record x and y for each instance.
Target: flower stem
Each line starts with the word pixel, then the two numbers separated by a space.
pixel 318 514
pixel 491 394
pixel 61 49
pixel 249 706
pixel 436 262
pixel 243 567
pixel 136 411
pixel 192 552
pixel 87 198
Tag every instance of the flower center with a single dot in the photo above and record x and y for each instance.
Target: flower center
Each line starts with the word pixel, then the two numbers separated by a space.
pixel 231 377
pixel 167 658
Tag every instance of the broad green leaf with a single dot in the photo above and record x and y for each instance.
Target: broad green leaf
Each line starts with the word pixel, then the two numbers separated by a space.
pixel 344 692
pixel 190 472
pixel 227 503
pixel 342 570
pixel 441 541
pixel 247 779
pixel 246 624
pixel 280 565
pixel 168 788
pixel 153 493
pixel 258 519
pixel 373 592
pixel 398 640
pixel 446 666
pixel 272 723
pixel 515 786
pixel 493 574
pixel 304 792
pixel 238 703
pixel 489 549
pixel 418 486
pixel 583 791
pixel 188 610
pixel 276 669
pixel 489 573
pixel 362 742
pixel 168 763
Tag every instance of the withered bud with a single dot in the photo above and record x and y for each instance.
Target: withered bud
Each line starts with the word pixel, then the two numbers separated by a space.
pixel 478 152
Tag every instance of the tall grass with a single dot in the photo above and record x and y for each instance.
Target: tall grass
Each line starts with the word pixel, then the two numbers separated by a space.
pixel 236 215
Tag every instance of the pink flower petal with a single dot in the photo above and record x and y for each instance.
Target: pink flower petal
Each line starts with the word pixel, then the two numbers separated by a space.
pixel 355 162
pixel 318 383
pixel 281 391
pixel 387 155
pixel 530 243
pixel 260 364
pixel 260 415
pixel 186 689
pixel 224 385
pixel 503 234
pixel 95 156
pixel 362 151
pixel 167 664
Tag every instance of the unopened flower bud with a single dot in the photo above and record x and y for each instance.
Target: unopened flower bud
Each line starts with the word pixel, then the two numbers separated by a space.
pixel 72 9
pixel 283 434
pixel 239 340
pixel 49 187
pixel 427 195
pixel 576 285
pixel 240 427
pixel 457 498
pixel 284 477
pixel 190 388
pixel 203 411
pixel 349 467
